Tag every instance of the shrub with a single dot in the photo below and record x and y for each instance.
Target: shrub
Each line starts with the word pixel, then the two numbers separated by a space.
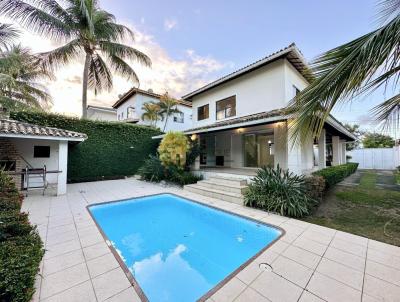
pixel 173 148
pixel 21 249
pixel 315 187
pixel 113 149
pixel 335 174
pixel 153 170
pixel 280 191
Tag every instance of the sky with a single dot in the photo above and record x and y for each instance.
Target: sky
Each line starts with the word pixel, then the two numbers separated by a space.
pixel 194 42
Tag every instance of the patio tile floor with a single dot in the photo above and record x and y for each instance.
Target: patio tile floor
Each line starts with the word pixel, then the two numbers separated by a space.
pixel 309 263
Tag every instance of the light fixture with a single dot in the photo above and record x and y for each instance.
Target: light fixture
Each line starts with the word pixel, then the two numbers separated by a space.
pixel 193 137
pixel 240 130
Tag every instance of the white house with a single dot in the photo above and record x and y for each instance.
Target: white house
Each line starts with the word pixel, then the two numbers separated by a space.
pixel 98 113
pixel 36 156
pixel 240 123
pixel 129 109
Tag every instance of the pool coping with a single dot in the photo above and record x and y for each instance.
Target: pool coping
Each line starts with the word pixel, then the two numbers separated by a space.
pixel 219 285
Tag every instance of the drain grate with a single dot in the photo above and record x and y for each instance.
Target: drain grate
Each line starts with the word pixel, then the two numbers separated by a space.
pixel 265 267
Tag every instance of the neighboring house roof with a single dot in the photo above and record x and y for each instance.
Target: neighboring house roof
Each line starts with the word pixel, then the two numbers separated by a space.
pixel 12 128
pixel 134 91
pixel 109 109
pixel 291 53
pixel 262 118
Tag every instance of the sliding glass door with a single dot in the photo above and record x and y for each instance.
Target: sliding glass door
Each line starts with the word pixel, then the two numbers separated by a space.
pixel 258 150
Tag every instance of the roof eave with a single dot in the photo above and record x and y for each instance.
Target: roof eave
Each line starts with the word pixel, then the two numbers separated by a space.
pixel 43 137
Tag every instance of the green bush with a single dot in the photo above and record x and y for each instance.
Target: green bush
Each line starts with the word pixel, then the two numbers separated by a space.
pixel 335 174
pixel 21 249
pixel 315 187
pixel 280 191
pixel 113 150
pixel 153 170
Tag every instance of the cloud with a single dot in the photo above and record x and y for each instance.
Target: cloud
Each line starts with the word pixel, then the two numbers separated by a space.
pixel 178 76
pixel 170 24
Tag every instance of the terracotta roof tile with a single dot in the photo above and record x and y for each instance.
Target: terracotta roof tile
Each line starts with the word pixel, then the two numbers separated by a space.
pixel 20 128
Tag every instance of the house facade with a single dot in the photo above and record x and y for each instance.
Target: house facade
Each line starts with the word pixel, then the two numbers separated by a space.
pixel 239 121
pixel 129 109
pixel 98 113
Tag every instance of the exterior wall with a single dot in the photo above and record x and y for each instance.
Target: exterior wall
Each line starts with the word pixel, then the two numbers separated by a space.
pixel 137 100
pixel 25 149
pixel 376 158
pixel 292 78
pixel 9 151
pixel 265 89
pixel 258 91
pixel 101 115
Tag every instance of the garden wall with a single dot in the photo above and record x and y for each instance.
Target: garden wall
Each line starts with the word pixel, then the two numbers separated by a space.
pixel 113 150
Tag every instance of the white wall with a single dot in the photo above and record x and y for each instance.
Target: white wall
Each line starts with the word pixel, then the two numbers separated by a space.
pixel 265 89
pixel 25 148
pixel 376 158
pixel 137 100
pixel 258 91
pixel 101 115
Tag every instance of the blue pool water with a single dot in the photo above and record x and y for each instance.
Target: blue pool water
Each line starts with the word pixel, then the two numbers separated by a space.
pixel 177 249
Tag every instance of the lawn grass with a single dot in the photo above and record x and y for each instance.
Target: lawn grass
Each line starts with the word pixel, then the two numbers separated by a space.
pixel 366 210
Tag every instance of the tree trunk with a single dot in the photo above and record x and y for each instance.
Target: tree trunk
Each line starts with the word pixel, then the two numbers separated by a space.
pixel 166 119
pixel 85 86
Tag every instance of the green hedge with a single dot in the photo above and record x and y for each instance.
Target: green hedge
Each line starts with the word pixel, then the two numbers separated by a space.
pixel 336 174
pixel 113 150
pixel 21 249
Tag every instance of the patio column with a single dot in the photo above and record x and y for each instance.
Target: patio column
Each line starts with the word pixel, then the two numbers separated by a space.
pixel 62 166
pixel 336 150
pixel 343 151
pixel 280 145
pixel 294 158
pixel 196 165
pixel 322 150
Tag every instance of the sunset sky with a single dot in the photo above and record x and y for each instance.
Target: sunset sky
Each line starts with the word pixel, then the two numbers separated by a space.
pixel 194 42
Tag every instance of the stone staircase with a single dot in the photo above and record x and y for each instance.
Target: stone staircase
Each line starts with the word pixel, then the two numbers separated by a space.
pixel 224 188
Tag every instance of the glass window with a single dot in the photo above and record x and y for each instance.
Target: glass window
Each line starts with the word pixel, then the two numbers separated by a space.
pixel 130 112
pixel 179 117
pixel 41 151
pixel 203 112
pixel 296 91
pixel 226 108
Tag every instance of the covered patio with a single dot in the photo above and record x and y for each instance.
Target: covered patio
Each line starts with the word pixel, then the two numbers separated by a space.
pixel 241 145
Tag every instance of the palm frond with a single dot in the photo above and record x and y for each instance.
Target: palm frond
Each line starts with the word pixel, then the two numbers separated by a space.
pixel 342 73
pixel 122 68
pixel 36 19
pixel 124 52
pixel 387 9
pixel 61 56
pixel 7 35
pixel 100 77
pixel 388 113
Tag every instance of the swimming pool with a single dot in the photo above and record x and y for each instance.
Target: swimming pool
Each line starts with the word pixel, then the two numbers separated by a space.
pixel 177 249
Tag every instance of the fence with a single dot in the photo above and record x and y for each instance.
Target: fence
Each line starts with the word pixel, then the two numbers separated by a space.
pixel 376 158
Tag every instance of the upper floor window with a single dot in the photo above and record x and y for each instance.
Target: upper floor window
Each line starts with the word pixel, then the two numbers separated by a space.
pixel 179 117
pixel 203 112
pixel 296 91
pixel 130 112
pixel 226 107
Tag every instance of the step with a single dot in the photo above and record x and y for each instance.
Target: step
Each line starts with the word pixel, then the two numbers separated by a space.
pixel 228 180
pixel 239 189
pixel 213 193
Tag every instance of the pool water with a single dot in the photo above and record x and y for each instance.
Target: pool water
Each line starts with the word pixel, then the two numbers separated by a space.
pixel 177 249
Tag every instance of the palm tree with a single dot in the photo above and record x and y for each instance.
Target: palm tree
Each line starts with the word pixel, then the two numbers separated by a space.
pixel 86 30
pixel 357 67
pixel 168 107
pixel 20 72
pixel 151 113
pixel 7 35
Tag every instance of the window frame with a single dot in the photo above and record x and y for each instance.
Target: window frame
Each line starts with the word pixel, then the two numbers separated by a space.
pixel 224 110
pixel 201 108
pixel 179 117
